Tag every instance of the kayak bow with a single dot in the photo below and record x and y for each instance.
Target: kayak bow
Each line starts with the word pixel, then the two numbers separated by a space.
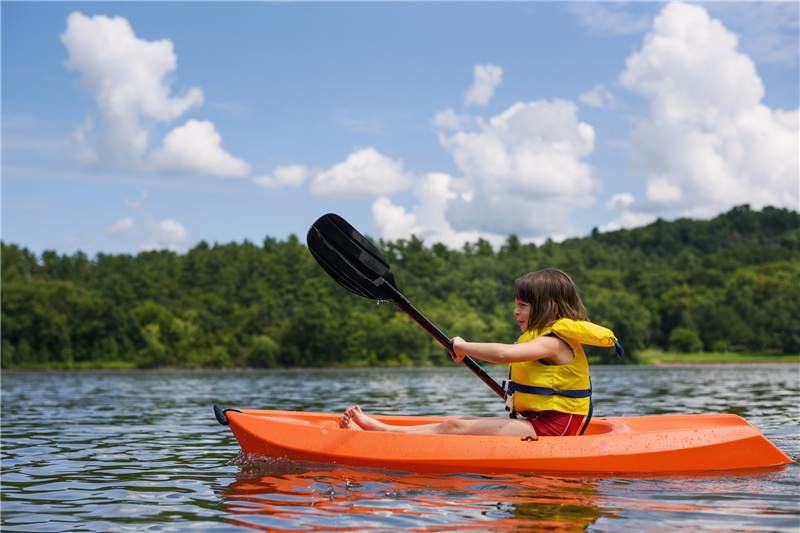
pixel 664 443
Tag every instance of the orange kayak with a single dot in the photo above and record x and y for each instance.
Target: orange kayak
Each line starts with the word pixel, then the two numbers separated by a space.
pixel 665 443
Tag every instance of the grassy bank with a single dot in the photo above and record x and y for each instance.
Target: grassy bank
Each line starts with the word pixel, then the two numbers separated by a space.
pixel 83 365
pixel 668 358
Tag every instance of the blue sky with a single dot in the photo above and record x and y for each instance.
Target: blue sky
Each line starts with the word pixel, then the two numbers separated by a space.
pixel 149 125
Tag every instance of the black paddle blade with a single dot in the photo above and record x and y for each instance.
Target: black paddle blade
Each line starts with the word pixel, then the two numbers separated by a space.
pixel 350 259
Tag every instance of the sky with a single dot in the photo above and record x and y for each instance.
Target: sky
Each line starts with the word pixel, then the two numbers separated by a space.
pixel 134 126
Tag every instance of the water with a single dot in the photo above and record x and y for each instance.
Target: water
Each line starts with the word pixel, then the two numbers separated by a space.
pixel 141 451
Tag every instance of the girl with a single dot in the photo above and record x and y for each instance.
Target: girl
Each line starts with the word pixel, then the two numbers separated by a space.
pixel 548 391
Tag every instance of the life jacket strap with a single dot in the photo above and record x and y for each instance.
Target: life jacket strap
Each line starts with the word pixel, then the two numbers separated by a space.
pixel 588 417
pixel 591 410
pixel 620 351
pixel 545 391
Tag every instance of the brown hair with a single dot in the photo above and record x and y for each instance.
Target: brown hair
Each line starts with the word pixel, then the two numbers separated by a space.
pixel 552 295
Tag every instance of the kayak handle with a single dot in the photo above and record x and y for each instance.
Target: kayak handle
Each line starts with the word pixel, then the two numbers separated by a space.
pixel 219 414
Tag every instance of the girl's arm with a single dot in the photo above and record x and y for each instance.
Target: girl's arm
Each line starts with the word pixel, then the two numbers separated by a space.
pixel 494 352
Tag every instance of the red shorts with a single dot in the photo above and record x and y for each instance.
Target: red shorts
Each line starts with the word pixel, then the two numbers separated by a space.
pixel 554 423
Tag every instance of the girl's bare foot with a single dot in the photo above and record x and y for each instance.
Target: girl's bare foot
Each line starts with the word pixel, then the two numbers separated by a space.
pixel 345 421
pixel 362 421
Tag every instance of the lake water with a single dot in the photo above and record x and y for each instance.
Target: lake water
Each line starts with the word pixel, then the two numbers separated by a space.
pixel 141 451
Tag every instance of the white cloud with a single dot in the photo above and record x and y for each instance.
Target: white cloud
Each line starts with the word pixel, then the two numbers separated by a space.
pixel 427 219
pixel 128 76
pixel 123 227
pixel 194 149
pixel 628 220
pixel 131 78
pixel 166 235
pixel 621 201
pixel 392 221
pixel 522 173
pixel 599 97
pixel 449 120
pixel 709 143
pixel 487 78
pixel 523 170
pixel 365 173
pixel 285 176
pixel 661 190
pixel 171 231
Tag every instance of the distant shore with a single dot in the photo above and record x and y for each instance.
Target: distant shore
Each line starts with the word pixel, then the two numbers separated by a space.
pixel 644 358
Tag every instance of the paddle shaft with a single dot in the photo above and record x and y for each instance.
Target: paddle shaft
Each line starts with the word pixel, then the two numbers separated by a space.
pixel 403 303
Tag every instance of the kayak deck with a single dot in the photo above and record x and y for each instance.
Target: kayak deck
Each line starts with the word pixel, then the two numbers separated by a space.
pixel 664 443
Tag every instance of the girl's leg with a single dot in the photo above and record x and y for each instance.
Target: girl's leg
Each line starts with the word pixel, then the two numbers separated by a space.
pixel 456 426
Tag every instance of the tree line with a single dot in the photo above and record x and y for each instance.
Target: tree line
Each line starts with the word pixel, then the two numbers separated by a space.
pixel 727 284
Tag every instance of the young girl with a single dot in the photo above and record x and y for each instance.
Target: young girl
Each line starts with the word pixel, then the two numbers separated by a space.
pixel 548 391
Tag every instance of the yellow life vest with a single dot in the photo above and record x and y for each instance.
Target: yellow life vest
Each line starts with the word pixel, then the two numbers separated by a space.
pixel 535 386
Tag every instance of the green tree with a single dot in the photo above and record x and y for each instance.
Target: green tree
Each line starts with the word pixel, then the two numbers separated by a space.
pixel 685 340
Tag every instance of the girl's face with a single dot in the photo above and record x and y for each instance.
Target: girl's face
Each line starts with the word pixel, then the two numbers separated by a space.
pixel 523 312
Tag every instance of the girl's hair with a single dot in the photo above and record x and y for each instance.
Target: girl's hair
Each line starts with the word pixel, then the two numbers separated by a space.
pixel 552 295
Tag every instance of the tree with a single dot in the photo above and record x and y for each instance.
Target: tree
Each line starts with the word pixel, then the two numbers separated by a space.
pixel 685 340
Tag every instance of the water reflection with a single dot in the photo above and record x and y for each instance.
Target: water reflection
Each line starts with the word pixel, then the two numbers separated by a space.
pixel 283 495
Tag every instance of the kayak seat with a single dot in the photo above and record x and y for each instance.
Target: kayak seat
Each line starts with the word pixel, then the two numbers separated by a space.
pixel 598 427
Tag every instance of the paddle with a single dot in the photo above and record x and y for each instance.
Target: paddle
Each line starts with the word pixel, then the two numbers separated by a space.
pixel 357 265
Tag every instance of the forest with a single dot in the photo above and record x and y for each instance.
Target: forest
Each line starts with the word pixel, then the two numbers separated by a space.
pixel 729 284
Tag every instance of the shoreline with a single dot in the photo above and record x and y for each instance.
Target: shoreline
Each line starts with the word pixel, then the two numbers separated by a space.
pixel 645 359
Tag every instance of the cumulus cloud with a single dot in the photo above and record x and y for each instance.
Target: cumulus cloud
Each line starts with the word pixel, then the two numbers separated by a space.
pixel 709 142
pixel 126 75
pixel 365 173
pixel 487 78
pixel 122 227
pixel 169 233
pixel 521 172
pixel 194 149
pixel 282 177
pixel 166 235
pixel 130 78
pixel 621 201
pixel 427 219
pixel 393 221
pixel 599 97
pixel 629 218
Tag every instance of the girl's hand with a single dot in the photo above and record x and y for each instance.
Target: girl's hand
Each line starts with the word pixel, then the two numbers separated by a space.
pixel 459 345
